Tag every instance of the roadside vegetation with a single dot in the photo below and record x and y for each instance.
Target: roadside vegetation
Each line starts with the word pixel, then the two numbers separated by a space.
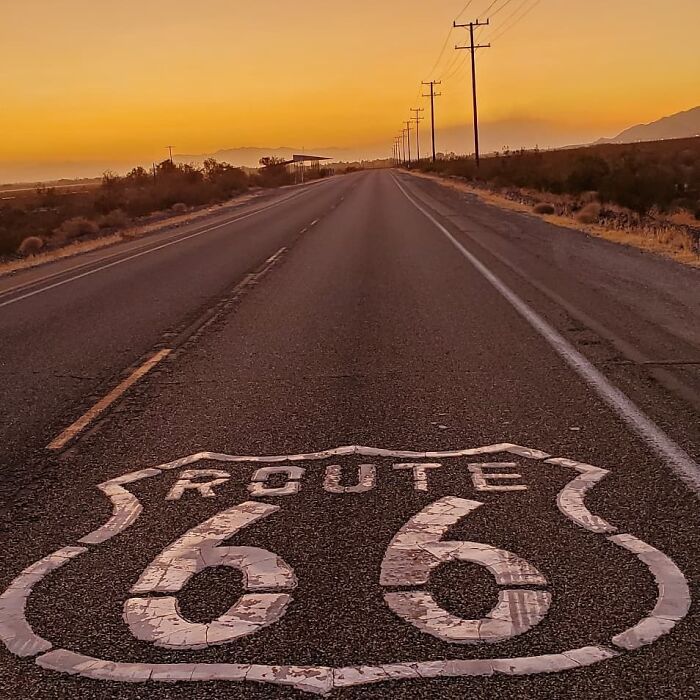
pixel 47 218
pixel 648 189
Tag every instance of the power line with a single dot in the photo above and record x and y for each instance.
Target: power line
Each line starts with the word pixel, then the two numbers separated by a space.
pixel 442 52
pixel 464 9
pixel 507 28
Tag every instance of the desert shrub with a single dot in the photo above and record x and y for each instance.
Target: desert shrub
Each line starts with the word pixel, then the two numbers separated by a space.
pixel 543 208
pixel 75 228
pixel 589 214
pixel 116 218
pixel 179 207
pixel 587 173
pixel 31 245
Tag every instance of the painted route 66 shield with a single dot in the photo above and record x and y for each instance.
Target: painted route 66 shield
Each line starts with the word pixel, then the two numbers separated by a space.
pixel 346 567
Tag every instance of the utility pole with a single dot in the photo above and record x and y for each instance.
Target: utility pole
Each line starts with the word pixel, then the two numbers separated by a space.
pixel 397 150
pixel 403 146
pixel 472 49
pixel 418 118
pixel 432 97
pixel 170 150
pixel 408 135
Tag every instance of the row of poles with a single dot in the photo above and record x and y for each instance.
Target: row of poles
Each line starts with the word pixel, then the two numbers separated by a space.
pixel 402 151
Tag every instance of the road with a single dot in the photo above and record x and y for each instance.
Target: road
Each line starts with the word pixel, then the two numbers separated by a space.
pixel 369 438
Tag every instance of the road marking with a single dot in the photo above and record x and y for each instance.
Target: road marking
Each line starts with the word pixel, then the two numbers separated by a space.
pixel 314 222
pixel 665 447
pixel 135 255
pixel 197 326
pixel 103 404
pixel 415 552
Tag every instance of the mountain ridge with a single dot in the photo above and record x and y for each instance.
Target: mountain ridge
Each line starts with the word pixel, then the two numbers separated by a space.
pixel 685 124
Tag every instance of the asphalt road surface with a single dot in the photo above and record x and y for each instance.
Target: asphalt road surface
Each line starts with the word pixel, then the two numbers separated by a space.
pixel 369 438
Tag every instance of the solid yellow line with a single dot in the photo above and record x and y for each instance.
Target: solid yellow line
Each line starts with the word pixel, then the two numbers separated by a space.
pixel 103 404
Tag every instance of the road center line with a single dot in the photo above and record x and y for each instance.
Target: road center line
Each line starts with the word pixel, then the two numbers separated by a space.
pixel 103 404
pixel 146 252
pixel 671 453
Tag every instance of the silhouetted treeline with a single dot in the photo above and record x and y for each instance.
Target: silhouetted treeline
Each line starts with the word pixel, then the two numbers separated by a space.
pixel 52 218
pixel 663 174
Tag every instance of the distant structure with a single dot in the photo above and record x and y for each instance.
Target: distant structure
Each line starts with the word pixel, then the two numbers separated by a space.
pixel 299 162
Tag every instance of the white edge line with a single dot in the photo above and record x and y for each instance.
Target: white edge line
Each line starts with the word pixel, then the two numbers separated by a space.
pixel 103 404
pixel 672 453
pixel 145 252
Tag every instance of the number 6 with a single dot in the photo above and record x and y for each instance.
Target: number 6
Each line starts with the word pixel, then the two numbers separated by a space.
pixel 158 619
pixel 417 549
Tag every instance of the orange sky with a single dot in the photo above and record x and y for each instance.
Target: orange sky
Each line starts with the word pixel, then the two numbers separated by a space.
pixel 101 81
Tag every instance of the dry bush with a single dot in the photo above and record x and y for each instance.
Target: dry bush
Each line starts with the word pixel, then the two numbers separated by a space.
pixel 75 228
pixel 114 219
pixel 588 197
pixel 179 207
pixel 31 245
pixel 543 208
pixel 589 214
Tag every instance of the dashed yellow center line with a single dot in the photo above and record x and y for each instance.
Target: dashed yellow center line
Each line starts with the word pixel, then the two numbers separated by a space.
pixel 103 404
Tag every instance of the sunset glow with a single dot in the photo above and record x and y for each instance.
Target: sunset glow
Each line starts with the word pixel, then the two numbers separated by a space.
pixel 97 81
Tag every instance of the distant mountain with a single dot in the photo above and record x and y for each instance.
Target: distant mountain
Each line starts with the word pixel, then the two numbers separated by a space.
pixel 677 126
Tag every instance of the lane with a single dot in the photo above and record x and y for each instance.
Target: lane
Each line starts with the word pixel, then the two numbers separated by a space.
pixel 630 308
pixel 63 349
pixel 373 332
pixel 669 451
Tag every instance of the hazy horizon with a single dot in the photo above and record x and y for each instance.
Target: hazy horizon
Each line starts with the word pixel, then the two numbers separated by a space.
pixel 455 139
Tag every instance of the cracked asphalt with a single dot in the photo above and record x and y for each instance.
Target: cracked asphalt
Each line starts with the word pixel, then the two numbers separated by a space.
pixel 369 330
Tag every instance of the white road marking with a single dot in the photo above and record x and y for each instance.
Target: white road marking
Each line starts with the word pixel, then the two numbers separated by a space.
pixel 366 479
pixel 672 453
pixel 136 255
pixel 189 481
pixel 420 473
pixel 415 551
pixel 481 479
pixel 103 404
pixel 158 620
pixel 672 604
pixel 258 487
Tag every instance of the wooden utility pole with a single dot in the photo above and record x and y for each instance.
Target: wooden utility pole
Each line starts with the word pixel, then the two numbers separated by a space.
pixel 408 138
pixel 419 119
pixel 432 97
pixel 472 48
pixel 170 150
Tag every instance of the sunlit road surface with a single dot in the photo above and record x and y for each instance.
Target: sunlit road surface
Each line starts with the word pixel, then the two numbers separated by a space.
pixel 367 438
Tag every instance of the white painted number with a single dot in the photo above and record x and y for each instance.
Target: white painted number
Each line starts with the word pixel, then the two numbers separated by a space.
pixel 158 619
pixel 417 550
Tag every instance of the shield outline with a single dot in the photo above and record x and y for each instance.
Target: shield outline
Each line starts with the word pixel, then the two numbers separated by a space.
pixel 673 601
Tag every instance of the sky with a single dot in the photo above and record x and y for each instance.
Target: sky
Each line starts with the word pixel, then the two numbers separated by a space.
pixel 86 85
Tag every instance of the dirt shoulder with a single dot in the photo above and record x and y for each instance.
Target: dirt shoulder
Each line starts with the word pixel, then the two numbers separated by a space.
pixel 663 238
